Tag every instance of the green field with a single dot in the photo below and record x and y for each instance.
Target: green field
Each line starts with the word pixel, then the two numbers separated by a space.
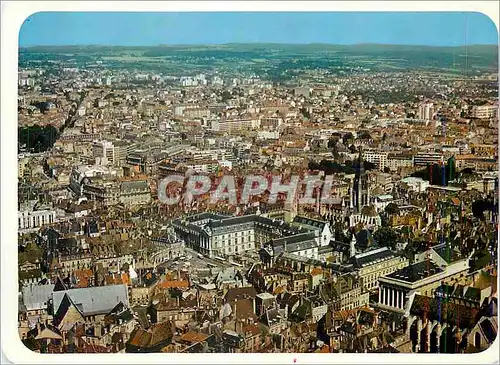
pixel 275 57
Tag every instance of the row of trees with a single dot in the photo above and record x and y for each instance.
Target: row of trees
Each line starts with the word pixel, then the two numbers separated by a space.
pixel 332 167
pixel 37 138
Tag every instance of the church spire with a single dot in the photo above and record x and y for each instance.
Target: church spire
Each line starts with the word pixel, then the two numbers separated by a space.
pixel 361 192
pixel 361 163
pixel 352 249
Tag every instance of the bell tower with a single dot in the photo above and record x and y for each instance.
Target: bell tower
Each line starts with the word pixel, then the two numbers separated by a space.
pixel 361 192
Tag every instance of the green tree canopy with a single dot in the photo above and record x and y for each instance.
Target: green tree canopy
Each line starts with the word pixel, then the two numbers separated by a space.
pixel 37 138
pixel 386 236
pixel 391 208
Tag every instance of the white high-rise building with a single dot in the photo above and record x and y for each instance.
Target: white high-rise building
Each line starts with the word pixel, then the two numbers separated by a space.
pixel 104 150
pixel 217 81
pixel 485 111
pixel 379 158
pixel 426 111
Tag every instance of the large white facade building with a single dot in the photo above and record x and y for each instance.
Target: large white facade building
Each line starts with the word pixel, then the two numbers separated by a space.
pixel 374 264
pixel 485 111
pixel 416 184
pixel 218 235
pixel 396 161
pixel 34 219
pixel 79 173
pixel 378 158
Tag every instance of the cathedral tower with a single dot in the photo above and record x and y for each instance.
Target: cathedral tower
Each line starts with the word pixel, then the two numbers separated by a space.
pixel 360 191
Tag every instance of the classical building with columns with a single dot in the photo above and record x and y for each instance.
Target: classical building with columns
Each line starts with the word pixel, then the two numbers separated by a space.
pixel 431 323
pixel 396 290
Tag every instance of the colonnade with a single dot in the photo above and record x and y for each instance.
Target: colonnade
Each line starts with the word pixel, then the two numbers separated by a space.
pixel 392 297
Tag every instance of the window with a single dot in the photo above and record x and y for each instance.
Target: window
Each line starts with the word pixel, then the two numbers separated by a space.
pixel 477 340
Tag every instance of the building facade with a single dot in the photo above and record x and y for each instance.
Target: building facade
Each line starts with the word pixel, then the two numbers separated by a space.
pixel 375 264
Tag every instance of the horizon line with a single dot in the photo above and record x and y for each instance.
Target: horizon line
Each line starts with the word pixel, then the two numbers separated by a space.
pixel 256 43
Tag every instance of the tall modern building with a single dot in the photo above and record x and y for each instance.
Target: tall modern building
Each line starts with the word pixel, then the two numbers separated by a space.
pixel 427 158
pixel 379 158
pixel 426 111
pixel 104 150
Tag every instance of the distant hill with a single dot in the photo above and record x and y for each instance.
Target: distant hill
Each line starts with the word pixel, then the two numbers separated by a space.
pixel 311 47
pixel 375 57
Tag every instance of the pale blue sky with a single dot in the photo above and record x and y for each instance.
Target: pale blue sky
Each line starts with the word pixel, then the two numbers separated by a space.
pixel 86 28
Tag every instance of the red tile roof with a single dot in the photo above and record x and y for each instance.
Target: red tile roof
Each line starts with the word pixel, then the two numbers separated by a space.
pixel 174 284
pixel 194 337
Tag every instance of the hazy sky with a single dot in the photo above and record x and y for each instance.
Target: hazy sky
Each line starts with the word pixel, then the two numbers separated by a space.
pixel 59 28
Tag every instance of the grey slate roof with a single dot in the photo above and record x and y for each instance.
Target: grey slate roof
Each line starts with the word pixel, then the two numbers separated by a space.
pixel 94 300
pixel 416 272
pixel 373 257
pixel 274 316
pixel 219 221
pixel 35 297
pixel 205 215
pixel 298 242
pixel 317 224
pixel 322 250
pixel 131 186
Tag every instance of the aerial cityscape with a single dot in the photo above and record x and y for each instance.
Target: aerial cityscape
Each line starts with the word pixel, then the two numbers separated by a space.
pixel 234 189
